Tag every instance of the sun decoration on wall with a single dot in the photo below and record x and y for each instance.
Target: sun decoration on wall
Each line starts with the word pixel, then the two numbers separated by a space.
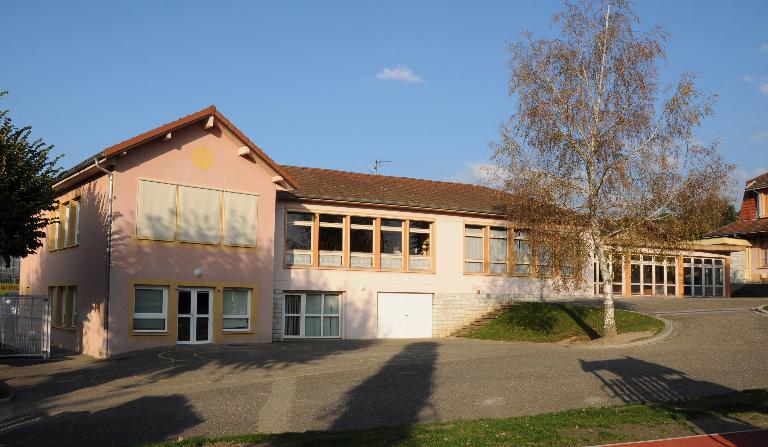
pixel 202 157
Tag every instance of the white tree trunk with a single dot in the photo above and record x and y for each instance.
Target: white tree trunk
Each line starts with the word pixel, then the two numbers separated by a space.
pixel 606 270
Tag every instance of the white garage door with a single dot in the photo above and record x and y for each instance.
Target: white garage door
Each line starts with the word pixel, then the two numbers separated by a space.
pixel 405 315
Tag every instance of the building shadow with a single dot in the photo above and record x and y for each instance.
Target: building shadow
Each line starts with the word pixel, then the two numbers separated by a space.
pixel 397 395
pixel 637 381
pixel 143 420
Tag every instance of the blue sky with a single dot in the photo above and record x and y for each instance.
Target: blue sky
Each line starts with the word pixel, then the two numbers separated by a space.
pixel 300 78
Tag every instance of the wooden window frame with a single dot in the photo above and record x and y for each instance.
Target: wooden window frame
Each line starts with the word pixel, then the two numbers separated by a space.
pixel 374 240
pixel 316 252
pixel 483 237
pixel 347 253
pixel 312 237
pixel 429 232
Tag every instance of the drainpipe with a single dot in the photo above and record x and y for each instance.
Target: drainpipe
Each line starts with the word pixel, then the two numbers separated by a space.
pixel 108 253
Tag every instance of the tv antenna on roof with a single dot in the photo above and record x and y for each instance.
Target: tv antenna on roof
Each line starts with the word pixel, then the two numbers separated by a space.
pixel 377 165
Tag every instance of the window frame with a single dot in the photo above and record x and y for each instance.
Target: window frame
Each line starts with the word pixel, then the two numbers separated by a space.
pixel 344 249
pixel 409 256
pixel 481 260
pixel 403 256
pixel 303 314
pixel 312 224
pixel 150 316
pixel 237 317
pixel 374 241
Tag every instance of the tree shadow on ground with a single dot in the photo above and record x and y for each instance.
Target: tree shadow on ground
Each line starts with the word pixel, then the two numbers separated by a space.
pixel 637 381
pixel 138 421
pixel 577 314
pixel 398 394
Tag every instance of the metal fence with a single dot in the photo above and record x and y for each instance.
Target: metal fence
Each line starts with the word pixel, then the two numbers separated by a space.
pixel 25 326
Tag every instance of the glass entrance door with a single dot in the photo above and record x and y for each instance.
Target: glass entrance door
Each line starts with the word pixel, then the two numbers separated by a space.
pixel 194 315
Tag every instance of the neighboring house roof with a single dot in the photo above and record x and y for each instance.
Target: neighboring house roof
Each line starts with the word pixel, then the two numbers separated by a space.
pixel 157 132
pixel 759 182
pixel 742 227
pixel 341 186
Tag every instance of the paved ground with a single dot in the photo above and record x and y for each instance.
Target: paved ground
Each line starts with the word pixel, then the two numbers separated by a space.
pixel 718 346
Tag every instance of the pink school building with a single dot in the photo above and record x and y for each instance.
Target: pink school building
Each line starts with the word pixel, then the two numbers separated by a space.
pixel 211 241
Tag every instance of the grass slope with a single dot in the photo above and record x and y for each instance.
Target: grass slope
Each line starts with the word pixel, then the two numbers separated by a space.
pixel 587 426
pixel 550 322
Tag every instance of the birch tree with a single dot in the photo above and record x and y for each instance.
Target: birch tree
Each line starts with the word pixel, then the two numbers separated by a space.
pixel 599 158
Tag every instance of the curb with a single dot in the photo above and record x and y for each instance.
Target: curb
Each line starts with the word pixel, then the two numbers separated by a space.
pixel 6 400
pixel 670 330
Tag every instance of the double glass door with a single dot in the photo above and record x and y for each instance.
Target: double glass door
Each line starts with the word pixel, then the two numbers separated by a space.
pixel 194 315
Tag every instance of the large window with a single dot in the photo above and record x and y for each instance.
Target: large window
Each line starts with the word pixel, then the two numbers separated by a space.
pixel 616 267
pixel 391 244
pixel 763 252
pixel 150 308
pixel 522 253
pixel 64 232
pixel 703 277
pixel 63 301
pixel 499 250
pixel 361 242
pixel 169 212
pixel 237 309
pixel 331 240
pixel 312 314
pixel 358 242
pixel 419 253
pixel 653 275
pixel 298 239
pixel 474 253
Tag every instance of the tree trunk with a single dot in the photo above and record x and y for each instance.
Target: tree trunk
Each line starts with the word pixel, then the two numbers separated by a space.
pixel 609 324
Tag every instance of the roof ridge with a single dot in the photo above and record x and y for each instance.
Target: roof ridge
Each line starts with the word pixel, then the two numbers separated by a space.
pixel 393 177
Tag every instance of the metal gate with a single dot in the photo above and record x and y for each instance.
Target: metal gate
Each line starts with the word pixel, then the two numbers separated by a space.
pixel 25 326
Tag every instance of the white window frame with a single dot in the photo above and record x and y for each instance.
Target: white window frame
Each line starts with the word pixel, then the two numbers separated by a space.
pixel 151 316
pixel 302 316
pixel 238 317
pixel 320 253
pixel 302 223
pixel 359 254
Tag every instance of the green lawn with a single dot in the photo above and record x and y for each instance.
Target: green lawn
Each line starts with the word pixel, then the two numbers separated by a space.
pixel 587 426
pixel 551 322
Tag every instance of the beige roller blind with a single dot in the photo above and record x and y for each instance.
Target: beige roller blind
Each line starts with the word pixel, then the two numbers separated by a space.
pixel 156 216
pixel 240 219
pixel 199 215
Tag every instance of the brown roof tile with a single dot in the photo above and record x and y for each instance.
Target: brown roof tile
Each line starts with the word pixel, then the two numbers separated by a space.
pixel 332 185
pixel 761 181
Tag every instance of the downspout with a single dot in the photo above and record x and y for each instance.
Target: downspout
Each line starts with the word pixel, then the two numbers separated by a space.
pixel 108 253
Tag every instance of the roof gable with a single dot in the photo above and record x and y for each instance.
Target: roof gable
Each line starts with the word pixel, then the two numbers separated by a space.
pixel 169 128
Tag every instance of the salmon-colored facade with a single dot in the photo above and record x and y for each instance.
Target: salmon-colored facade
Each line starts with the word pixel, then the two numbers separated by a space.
pixel 167 288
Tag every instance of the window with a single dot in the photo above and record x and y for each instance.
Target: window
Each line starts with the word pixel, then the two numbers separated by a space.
pixel 237 309
pixel 312 314
pixel 150 308
pixel 763 249
pixel 762 204
pixel 391 244
pixel 240 213
pixel 703 277
pixel 543 260
pixel 522 251
pixel 361 242
pixel 474 254
pixel 53 299
pixel 616 267
pixel 653 275
pixel 499 250
pixel 65 231
pixel 63 301
pixel 331 240
pixel 298 239
pixel 72 306
pixel 419 233
pixel 169 212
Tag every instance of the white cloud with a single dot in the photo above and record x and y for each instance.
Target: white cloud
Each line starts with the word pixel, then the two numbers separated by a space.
pixel 401 73
pixel 764 47
pixel 479 174
pixel 764 88
pixel 760 137
pixel 748 78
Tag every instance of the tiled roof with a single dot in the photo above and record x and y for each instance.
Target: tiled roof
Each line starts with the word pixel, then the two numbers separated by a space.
pixel 332 185
pixel 741 227
pixel 761 181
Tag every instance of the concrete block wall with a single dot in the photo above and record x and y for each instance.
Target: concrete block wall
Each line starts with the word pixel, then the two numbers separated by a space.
pixel 453 311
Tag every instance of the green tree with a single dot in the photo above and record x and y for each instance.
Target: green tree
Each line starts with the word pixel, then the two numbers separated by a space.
pixel 27 176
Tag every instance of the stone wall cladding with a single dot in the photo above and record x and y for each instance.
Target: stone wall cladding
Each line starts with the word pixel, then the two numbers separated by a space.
pixel 453 311
pixel 738 267
pixel 277 314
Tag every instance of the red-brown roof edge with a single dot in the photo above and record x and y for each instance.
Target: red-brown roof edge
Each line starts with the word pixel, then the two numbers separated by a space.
pixel 189 119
